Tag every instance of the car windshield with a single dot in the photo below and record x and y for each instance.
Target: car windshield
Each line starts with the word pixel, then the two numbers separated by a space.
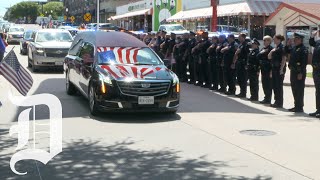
pixel 118 55
pixel 54 36
pixel 16 30
pixel 27 35
pixel 175 28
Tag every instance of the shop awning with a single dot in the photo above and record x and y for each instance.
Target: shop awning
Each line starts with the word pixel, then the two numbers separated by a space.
pixel 296 14
pixel 192 14
pixel 244 8
pixel 131 14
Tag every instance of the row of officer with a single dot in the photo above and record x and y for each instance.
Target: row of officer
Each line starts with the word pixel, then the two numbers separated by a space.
pixel 219 63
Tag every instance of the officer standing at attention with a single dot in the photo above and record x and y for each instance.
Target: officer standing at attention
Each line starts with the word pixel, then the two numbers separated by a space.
pixel 316 70
pixel 220 64
pixel 254 70
pixel 240 64
pixel 265 65
pixel 204 74
pixel 278 60
pixel 182 63
pixel 229 67
pixel 213 68
pixel 191 45
pixel 298 71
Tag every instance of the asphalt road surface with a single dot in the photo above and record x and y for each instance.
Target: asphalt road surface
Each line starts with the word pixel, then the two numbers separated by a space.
pixel 206 139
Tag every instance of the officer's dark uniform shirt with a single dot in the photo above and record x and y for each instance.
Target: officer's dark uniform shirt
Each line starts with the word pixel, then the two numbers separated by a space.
pixel 219 53
pixel 213 51
pixel 316 52
pixel 229 54
pixel 277 56
pixel 265 64
pixel 244 51
pixel 183 47
pixel 172 42
pixel 299 59
pixel 191 44
pixel 253 62
pixel 205 44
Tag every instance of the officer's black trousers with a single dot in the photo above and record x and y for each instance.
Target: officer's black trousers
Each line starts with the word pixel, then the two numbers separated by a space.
pixel 242 76
pixel 213 72
pixel 204 75
pixel 221 77
pixel 179 66
pixel 230 75
pixel 266 84
pixel 184 65
pixel 196 68
pixel 254 83
pixel 297 87
pixel 316 78
pixel 191 69
pixel 277 86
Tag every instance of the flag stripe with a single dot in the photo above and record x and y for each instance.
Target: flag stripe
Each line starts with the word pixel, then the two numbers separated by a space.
pixel 27 76
pixel 15 76
pixel 11 79
pixel 24 78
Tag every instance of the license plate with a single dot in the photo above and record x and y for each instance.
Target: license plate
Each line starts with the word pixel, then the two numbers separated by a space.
pixel 59 63
pixel 146 100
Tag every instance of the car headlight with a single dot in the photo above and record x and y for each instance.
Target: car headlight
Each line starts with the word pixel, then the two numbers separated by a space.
pixel 40 50
pixel 105 79
pixel 10 36
pixel 175 80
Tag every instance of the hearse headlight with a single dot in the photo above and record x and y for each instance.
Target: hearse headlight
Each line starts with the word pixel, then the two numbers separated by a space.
pixel 105 79
pixel 175 80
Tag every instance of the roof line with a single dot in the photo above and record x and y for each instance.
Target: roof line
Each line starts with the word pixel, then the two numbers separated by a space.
pixel 285 5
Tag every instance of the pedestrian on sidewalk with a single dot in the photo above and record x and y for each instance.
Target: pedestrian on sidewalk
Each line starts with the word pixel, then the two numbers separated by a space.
pixel 298 72
pixel 316 69
pixel 278 62
pixel 266 67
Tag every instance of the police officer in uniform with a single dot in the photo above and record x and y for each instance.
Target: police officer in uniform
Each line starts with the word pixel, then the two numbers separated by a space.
pixel 316 71
pixel 196 57
pixel 298 71
pixel 213 68
pixel 191 45
pixel 229 66
pixel 204 74
pixel 278 61
pixel 220 64
pixel 240 63
pixel 254 70
pixel 265 65
pixel 182 64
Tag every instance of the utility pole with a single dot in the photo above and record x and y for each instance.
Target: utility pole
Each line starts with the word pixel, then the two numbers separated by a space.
pixel 214 19
pixel 98 14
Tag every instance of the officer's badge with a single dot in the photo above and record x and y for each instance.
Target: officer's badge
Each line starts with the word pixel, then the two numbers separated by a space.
pixel 298 49
pixel 298 64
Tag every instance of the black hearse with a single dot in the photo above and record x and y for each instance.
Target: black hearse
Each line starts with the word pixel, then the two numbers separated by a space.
pixel 117 72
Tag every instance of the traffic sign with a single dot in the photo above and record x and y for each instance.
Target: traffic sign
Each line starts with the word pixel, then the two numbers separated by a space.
pixel 41 15
pixel 65 17
pixel 87 17
pixel 72 18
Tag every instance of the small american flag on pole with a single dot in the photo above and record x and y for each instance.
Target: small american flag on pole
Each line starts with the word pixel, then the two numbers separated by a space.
pixel 11 69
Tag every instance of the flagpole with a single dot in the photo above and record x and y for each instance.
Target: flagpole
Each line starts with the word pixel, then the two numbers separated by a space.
pixel 98 14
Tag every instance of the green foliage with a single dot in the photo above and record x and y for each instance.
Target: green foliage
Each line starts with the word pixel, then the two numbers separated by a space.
pixel 24 9
pixel 56 8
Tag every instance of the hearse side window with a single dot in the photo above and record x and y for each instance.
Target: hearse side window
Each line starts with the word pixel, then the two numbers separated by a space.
pixel 87 53
pixel 74 49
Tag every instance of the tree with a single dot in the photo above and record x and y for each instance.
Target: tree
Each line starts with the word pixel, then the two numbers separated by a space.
pixel 55 7
pixel 24 9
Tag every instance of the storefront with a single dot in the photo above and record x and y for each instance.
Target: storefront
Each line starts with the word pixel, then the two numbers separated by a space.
pixel 135 16
pixel 291 18
pixel 248 16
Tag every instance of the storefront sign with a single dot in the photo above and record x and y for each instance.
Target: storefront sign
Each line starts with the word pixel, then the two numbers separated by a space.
pixel 145 4
pixel 163 10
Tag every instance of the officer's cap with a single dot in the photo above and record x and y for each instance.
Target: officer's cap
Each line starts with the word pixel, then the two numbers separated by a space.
pixel 163 31
pixel 222 36
pixel 255 41
pixel 297 35
pixel 173 33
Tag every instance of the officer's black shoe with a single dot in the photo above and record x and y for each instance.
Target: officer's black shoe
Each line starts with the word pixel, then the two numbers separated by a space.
pixel 206 86
pixel 222 90
pixel 253 99
pixel 318 116
pixel 292 109
pixel 230 93
pixel 241 95
pixel 190 82
pixel 276 105
pixel 213 88
pixel 298 110
pixel 198 84
pixel 314 114
pixel 265 102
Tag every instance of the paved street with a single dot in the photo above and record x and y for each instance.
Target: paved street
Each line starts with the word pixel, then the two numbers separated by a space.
pixel 203 141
